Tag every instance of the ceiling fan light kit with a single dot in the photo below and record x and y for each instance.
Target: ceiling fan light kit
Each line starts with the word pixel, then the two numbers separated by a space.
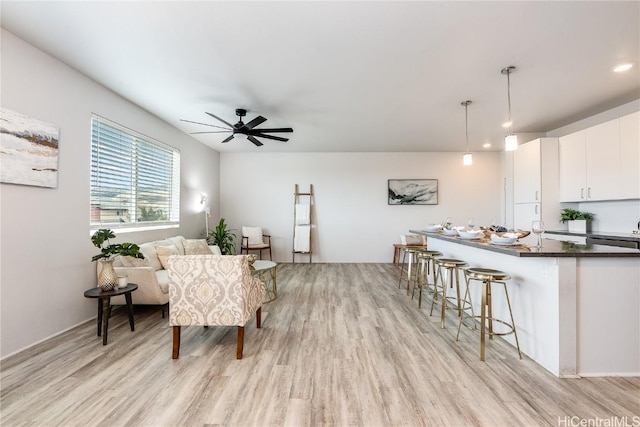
pixel 511 140
pixel 243 130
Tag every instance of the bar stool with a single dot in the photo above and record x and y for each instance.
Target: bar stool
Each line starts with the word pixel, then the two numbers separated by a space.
pixel 487 276
pixel 451 268
pixel 411 265
pixel 426 268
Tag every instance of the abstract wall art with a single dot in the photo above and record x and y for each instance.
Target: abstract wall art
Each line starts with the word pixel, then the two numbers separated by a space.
pixel 413 192
pixel 28 150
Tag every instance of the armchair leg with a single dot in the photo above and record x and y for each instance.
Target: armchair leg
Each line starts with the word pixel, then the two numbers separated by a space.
pixel 259 317
pixel 176 342
pixel 240 342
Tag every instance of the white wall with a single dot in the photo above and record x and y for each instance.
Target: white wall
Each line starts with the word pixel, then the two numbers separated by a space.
pixel 45 249
pixel 354 221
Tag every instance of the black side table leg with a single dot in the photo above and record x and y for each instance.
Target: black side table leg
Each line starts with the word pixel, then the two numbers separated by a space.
pixel 99 316
pixel 127 297
pixel 106 304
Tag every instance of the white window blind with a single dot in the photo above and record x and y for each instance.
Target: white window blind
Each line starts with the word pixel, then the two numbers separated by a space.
pixel 135 180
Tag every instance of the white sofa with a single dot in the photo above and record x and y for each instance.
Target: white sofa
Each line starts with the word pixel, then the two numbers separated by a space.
pixel 149 273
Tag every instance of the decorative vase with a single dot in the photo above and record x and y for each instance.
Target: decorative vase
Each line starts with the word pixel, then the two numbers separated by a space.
pixel 107 279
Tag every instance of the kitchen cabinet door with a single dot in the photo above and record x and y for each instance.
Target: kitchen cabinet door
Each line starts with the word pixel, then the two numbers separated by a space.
pixel 602 144
pixel 630 156
pixel 572 158
pixel 526 173
pixel 523 215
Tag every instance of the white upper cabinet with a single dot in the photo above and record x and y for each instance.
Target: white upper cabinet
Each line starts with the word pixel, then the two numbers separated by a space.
pixel 601 162
pixel 573 167
pixel 630 156
pixel 526 173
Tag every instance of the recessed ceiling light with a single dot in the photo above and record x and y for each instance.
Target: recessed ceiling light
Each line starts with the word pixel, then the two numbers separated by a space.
pixel 623 67
pixel 507 124
pixel 486 145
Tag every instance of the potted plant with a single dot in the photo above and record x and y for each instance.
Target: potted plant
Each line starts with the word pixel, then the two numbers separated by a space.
pixel 107 278
pixel 577 221
pixel 223 237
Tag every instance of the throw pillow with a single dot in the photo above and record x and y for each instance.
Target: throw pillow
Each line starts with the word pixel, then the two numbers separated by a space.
pixel 196 247
pixel 164 252
pixel 129 261
pixel 254 234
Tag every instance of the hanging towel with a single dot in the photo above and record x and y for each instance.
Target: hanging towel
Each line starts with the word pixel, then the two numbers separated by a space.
pixel 303 214
pixel 302 238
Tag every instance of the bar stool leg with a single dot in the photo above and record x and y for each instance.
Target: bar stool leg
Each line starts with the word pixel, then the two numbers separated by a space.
pixel 458 292
pixel 404 256
pixel 447 278
pixel 483 317
pixel 438 275
pixel 489 309
pixel 515 334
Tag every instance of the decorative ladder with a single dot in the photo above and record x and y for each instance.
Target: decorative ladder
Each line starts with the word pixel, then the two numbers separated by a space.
pixel 302 223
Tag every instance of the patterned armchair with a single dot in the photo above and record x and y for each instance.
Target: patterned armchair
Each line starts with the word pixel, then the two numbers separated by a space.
pixel 212 290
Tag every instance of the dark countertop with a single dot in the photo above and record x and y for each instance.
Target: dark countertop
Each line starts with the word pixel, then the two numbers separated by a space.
pixel 550 248
pixel 601 234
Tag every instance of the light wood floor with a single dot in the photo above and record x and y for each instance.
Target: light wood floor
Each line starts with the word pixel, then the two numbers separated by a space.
pixel 342 345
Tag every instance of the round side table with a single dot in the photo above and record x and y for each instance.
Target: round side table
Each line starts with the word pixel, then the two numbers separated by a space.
pixel 258 269
pixel 104 304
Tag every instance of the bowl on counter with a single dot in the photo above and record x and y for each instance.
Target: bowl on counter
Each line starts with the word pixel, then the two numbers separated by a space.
pixel 471 234
pixel 433 228
pixel 505 239
pixel 449 231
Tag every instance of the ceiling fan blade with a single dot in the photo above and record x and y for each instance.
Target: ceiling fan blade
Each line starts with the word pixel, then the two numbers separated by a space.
pixel 218 118
pixel 228 139
pixel 255 122
pixel 274 130
pixel 255 141
pixel 277 138
pixel 205 124
pixel 211 131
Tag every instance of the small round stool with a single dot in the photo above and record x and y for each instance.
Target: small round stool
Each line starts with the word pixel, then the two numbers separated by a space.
pixel 426 267
pixel 411 265
pixel 487 276
pixel 451 267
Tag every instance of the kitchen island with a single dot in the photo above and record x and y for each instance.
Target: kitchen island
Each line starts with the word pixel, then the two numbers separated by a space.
pixel 576 307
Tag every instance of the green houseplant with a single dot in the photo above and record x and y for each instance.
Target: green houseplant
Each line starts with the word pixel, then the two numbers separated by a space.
pixel 577 221
pixel 107 278
pixel 223 237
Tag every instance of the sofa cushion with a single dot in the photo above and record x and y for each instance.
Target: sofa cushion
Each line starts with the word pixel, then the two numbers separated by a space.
pixel 150 254
pixel 129 261
pixel 164 252
pixel 178 242
pixel 163 280
pixel 196 247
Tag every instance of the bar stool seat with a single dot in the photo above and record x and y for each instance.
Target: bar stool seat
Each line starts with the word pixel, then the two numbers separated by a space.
pixel 487 277
pixel 426 267
pixel 410 266
pixel 452 267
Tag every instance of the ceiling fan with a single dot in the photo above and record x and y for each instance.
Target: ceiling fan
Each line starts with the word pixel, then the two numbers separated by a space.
pixel 242 129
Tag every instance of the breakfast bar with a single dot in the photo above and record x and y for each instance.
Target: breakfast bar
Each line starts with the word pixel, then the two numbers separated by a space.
pixel 576 307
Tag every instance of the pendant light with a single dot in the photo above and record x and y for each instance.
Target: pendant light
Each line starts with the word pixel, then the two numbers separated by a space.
pixel 511 140
pixel 467 158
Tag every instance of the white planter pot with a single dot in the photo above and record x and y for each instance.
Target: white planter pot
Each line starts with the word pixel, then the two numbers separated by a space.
pixel 579 226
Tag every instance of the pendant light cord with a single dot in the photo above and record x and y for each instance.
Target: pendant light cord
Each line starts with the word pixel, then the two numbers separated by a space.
pixel 466 121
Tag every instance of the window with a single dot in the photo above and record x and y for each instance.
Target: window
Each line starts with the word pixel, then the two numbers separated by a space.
pixel 135 180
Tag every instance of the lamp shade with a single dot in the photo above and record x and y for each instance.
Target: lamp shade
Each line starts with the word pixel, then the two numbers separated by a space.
pixel 467 159
pixel 511 142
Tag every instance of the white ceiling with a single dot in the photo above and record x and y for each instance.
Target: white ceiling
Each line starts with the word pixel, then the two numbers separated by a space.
pixel 349 76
